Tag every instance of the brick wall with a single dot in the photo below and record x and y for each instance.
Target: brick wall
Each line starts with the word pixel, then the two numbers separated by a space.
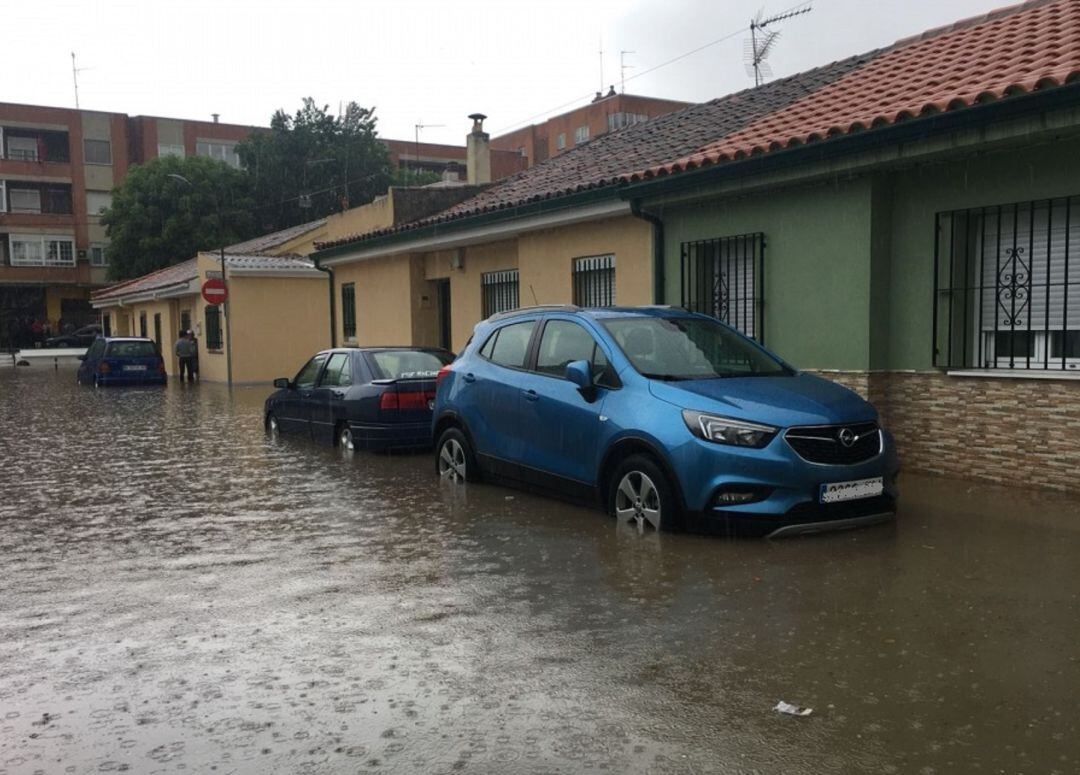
pixel 1023 432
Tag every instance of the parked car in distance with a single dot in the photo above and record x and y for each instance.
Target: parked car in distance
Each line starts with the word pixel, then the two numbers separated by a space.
pixel 374 398
pixel 664 418
pixel 80 337
pixel 121 360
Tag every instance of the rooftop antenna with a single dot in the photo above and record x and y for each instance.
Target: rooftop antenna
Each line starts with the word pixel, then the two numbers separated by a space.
pixel 600 40
pixel 761 42
pixel 416 137
pixel 623 67
pixel 75 77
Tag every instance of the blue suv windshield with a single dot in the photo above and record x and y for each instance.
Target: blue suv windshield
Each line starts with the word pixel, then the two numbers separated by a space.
pixel 689 348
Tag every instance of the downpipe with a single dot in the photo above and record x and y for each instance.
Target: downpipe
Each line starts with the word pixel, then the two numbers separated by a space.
pixel 330 282
pixel 657 248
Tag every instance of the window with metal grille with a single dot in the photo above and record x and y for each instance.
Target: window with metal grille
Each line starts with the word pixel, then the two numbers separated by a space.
pixel 213 328
pixel 594 281
pixel 724 277
pixel 499 291
pixel 1007 286
pixel 348 310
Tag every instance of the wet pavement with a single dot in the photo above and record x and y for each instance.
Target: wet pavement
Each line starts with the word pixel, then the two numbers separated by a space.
pixel 179 593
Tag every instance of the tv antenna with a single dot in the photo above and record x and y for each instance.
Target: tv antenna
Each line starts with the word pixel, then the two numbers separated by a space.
pixel 762 41
pixel 623 67
pixel 75 77
pixel 416 136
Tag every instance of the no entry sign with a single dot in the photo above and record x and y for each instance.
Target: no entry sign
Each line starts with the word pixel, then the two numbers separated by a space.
pixel 214 291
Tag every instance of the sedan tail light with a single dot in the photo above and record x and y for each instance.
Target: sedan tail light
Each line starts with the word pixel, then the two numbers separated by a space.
pixel 412 400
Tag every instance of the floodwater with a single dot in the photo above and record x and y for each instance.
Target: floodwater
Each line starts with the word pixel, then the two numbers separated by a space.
pixel 179 593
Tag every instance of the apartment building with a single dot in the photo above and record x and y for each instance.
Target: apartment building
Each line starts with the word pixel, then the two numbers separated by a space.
pixel 58 167
pixel 606 113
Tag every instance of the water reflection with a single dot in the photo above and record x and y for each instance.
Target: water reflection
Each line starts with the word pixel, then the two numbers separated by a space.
pixel 181 591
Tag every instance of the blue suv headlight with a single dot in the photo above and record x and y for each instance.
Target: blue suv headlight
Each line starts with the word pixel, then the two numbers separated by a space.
pixel 726 430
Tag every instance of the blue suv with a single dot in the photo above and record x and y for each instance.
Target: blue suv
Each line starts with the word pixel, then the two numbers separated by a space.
pixel 665 418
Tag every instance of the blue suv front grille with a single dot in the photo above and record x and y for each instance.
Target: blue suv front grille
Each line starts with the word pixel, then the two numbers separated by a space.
pixel 838 445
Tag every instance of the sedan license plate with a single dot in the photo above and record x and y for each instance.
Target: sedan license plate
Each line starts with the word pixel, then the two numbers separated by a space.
pixel 135 367
pixel 850 491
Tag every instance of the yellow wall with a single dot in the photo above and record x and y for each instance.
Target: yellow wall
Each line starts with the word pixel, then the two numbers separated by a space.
pixel 396 296
pixel 54 294
pixel 384 300
pixel 378 214
pixel 545 260
pixel 277 324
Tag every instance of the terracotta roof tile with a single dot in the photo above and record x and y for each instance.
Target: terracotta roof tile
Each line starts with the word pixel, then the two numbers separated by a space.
pixel 162 278
pixel 601 161
pixel 1011 51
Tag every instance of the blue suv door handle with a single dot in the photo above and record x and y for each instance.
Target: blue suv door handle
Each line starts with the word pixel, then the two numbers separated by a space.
pixel 530 395
pixel 469 378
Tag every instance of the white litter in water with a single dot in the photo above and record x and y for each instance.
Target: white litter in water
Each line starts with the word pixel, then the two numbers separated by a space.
pixel 792 710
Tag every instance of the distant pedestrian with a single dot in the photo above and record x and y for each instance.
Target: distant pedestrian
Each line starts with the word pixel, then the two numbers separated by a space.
pixel 185 352
pixel 193 368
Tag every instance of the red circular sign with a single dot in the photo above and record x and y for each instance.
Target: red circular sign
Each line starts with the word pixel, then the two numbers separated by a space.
pixel 214 291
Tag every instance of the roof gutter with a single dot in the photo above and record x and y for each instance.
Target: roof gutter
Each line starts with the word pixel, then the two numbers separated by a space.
pixel 893 134
pixel 657 248
pixel 483 227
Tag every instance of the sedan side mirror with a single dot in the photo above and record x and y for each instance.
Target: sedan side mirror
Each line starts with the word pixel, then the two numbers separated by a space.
pixel 282 382
pixel 580 373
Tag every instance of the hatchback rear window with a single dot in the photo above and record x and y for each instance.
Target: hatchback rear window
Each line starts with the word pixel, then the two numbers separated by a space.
pixel 131 350
pixel 407 364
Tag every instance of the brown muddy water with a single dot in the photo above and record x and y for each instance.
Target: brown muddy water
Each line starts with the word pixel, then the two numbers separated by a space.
pixel 179 593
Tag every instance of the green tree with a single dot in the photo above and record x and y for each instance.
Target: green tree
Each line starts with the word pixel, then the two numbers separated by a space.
pixel 157 220
pixel 314 163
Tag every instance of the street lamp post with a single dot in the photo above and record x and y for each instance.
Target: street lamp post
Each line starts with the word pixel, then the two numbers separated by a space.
pixel 228 348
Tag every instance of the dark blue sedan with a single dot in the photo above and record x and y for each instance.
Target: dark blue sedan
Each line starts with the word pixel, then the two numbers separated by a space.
pixel 373 398
pixel 121 360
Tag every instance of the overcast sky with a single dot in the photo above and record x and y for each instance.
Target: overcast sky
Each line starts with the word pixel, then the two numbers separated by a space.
pixel 419 61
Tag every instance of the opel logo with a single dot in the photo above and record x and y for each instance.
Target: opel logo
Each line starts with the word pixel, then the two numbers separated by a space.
pixel 847 437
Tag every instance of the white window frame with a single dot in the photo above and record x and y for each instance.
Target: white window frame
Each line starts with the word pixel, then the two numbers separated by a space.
pixel 581 134
pixel 3 184
pixel 97 140
pixel 1 142
pixel 30 210
pixel 96 249
pixel 97 194
pixel 221 150
pixel 171 149
pixel 43 243
pixel 33 152
pixel 560 141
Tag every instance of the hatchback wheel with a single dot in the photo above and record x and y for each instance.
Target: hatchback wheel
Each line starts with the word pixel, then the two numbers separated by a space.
pixel 272 426
pixel 345 439
pixel 640 494
pixel 454 459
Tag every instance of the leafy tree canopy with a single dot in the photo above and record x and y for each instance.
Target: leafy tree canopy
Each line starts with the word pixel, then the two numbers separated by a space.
pixel 314 163
pixel 157 220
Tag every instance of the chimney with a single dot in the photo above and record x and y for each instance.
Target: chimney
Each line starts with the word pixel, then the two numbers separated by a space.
pixel 216 116
pixel 478 151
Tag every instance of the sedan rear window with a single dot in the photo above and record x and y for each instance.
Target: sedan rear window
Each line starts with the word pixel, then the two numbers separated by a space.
pixel 131 350
pixel 407 364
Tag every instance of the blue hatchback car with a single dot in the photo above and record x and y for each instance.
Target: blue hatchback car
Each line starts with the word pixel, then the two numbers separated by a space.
pixel 663 417
pixel 121 360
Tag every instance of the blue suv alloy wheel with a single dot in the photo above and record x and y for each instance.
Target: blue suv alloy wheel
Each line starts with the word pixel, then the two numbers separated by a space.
pixel 664 418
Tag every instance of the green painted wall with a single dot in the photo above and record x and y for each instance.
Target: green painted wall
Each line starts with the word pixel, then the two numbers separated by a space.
pixel 849 263
pixel 1047 170
pixel 817 268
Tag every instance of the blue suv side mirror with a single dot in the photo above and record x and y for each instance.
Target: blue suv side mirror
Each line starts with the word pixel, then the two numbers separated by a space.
pixel 580 373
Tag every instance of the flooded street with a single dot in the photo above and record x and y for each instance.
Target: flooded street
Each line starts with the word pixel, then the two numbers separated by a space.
pixel 181 593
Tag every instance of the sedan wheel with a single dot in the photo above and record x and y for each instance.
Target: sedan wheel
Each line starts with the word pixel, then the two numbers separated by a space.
pixel 272 426
pixel 345 439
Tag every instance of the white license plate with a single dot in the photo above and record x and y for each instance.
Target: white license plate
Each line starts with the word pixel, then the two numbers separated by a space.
pixel 135 367
pixel 850 491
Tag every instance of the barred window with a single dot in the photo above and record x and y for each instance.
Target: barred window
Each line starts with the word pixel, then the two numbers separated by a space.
pixel 1007 287
pixel 499 291
pixel 594 281
pixel 213 328
pixel 723 277
pixel 348 310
